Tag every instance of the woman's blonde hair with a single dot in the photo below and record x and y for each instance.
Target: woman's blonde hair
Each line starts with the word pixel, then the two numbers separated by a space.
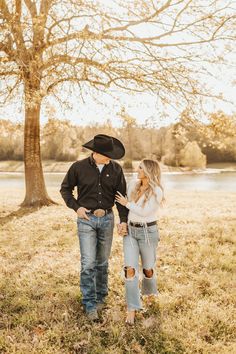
pixel 152 171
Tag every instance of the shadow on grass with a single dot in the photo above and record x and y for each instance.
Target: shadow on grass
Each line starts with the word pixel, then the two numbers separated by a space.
pixel 19 213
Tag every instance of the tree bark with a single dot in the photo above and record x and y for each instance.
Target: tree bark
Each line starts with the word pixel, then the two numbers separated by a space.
pixel 36 194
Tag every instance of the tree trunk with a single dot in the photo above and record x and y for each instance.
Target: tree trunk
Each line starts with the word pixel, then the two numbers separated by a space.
pixel 36 194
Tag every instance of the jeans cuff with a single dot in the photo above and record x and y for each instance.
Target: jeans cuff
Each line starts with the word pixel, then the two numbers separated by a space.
pixel 135 308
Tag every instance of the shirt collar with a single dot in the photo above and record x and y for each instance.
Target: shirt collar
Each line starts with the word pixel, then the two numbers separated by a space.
pixel 91 160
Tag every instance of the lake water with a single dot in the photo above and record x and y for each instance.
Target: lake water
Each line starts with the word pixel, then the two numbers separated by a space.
pixel 205 181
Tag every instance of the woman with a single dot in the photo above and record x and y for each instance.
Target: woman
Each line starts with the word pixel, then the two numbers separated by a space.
pixel 144 198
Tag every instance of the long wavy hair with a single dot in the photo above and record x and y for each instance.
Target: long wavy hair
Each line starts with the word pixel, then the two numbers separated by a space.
pixel 152 171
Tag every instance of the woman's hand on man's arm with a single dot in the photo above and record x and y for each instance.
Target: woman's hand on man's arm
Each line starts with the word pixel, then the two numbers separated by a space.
pixel 121 199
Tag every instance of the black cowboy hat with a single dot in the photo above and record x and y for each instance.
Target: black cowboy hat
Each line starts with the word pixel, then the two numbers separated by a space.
pixel 107 146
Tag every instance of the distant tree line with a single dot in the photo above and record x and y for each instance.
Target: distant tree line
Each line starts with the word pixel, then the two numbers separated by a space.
pixel 185 143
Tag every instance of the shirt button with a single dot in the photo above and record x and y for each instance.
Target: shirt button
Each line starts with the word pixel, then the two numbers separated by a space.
pixel 99 201
pixel 99 193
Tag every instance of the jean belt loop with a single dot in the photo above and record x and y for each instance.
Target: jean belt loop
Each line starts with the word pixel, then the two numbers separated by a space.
pixel 146 233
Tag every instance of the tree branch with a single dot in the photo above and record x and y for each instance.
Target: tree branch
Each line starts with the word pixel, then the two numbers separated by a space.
pixel 31 6
pixel 138 22
pixel 15 26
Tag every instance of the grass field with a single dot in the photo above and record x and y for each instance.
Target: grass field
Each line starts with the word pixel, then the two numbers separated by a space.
pixel 40 310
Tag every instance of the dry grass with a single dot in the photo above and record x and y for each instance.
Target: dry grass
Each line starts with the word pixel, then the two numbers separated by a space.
pixel 40 310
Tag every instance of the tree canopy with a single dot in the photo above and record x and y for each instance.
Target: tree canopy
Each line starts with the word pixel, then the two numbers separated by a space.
pixel 161 46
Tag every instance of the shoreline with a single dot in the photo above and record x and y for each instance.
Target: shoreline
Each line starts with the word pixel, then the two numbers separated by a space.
pixel 55 167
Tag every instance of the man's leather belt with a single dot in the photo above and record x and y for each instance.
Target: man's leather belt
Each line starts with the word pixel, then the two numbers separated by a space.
pixel 99 213
pixel 138 224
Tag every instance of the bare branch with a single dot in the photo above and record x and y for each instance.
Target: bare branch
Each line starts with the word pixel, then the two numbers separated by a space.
pixel 31 5
pixel 9 73
pixel 138 22
pixel 15 26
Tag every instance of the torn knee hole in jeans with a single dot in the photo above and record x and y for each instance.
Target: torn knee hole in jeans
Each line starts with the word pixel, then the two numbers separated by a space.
pixel 129 272
pixel 148 273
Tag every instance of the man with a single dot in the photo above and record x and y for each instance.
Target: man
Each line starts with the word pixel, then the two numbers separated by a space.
pixel 97 178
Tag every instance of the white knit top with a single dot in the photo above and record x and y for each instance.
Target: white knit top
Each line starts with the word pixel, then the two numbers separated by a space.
pixel 143 213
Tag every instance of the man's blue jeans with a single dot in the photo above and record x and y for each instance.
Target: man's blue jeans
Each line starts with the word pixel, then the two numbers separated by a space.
pixel 95 238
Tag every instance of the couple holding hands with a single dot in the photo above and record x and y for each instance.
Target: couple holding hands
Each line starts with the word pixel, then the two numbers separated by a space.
pixel 100 183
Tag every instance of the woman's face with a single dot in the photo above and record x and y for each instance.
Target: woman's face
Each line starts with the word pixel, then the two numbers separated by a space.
pixel 141 174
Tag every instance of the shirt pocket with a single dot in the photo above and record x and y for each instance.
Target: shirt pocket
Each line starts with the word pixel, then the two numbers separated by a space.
pixel 108 180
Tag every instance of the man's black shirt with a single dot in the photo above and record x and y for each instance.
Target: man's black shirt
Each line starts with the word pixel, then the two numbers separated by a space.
pixel 95 190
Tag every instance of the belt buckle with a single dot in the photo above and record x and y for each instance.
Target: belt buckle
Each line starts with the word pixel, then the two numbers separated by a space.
pixel 99 213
